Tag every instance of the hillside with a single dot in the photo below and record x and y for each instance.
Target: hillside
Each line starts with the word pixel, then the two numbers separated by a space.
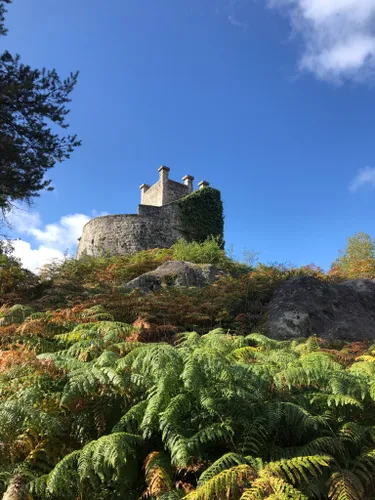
pixel 112 393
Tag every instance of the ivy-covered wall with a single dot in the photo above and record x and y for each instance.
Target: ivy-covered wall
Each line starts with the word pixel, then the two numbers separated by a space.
pixel 201 215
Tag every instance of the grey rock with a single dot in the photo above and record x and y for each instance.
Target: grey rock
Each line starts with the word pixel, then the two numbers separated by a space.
pixel 307 306
pixel 175 273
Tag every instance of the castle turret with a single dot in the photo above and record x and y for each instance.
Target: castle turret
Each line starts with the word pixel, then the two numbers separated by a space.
pixel 165 190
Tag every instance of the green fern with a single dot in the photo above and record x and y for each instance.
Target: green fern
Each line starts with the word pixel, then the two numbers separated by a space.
pixel 227 484
pixel 225 462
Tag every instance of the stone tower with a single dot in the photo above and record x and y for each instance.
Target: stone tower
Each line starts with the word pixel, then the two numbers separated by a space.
pixel 165 190
pixel 156 225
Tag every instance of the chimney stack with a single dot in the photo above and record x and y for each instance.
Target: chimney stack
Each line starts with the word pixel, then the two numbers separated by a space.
pixel 188 181
pixel 164 173
pixel 203 184
pixel 143 188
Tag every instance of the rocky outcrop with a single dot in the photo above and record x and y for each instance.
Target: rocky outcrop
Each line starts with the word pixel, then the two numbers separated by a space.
pixel 307 306
pixel 175 273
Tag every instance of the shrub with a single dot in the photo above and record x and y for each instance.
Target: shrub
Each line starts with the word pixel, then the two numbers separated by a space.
pixel 209 251
pixel 100 273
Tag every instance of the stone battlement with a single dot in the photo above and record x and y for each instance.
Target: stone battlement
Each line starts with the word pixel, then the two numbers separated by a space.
pixel 165 190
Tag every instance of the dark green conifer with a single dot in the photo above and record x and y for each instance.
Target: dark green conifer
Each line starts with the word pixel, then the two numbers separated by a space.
pixel 33 105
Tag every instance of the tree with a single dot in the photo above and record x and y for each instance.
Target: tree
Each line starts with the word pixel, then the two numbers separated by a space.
pixel 13 277
pixel 2 12
pixel 33 104
pixel 358 258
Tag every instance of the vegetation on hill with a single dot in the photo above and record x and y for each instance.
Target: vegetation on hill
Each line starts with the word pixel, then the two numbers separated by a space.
pixel 236 301
pixel 88 410
pixel 106 394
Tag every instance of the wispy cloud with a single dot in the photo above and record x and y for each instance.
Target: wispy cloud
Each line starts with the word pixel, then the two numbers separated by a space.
pixel 364 178
pixel 49 241
pixel 237 23
pixel 338 37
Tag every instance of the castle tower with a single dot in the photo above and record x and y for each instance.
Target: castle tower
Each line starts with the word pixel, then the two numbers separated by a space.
pixel 158 223
pixel 165 190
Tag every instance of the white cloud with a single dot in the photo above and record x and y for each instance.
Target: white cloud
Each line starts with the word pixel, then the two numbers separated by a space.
pixel 21 220
pixel 364 178
pixel 34 259
pixel 338 36
pixel 51 241
pixel 63 234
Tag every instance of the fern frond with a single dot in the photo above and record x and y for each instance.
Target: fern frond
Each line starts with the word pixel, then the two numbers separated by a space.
pixel 266 342
pixel 273 488
pixel 189 340
pixel 354 433
pixel 345 485
pixel 296 469
pixel 38 486
pixel 125 347
pixel 365 467
pixel 217 432
pixel 178 407
pixel 131 421
pixel 107 358
pixel 349 383
pixel 319 446
pixel 225 485
pixel 342 400
pixel 151 359
pixel 107 456
pixel 244 354
pixel 159 398
pixel 225 462
pixel 158 470
pixel 363 367
pixel 63 479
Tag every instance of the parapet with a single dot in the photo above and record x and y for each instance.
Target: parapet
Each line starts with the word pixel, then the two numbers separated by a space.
pixel 165 190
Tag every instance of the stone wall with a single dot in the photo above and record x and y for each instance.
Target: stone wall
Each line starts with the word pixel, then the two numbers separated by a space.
pixel 154 195
pixel 152 227
pixel 174 191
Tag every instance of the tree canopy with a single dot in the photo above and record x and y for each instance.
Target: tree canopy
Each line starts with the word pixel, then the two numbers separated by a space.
pixel 33 106
pixel 358 258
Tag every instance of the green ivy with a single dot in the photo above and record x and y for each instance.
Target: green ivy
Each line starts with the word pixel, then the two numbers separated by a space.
pixel 201 215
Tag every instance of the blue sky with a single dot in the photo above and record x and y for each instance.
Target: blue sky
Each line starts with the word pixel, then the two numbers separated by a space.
pixel 272 102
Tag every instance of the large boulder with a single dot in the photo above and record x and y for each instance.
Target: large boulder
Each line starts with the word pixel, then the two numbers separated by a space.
pixel 175 273
pixel 307 306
